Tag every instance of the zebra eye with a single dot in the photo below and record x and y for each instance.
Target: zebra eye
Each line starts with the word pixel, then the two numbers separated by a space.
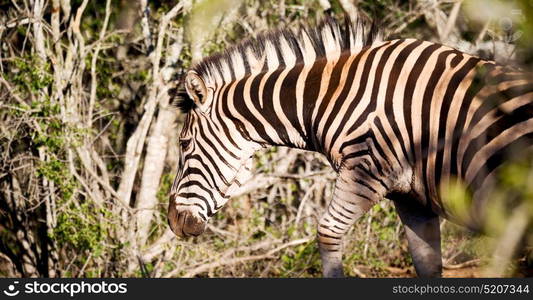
pixel 184 144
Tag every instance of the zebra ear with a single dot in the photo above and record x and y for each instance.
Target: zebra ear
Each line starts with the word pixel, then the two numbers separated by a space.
pixel 196 88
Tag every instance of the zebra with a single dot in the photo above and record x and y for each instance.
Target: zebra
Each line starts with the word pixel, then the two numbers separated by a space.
pixel 400 119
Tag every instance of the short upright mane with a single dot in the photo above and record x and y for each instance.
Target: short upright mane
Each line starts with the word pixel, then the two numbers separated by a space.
pixel 285 47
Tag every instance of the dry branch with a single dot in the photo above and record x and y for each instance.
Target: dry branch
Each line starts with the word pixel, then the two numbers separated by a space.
pixel 225 262
pixel 470 263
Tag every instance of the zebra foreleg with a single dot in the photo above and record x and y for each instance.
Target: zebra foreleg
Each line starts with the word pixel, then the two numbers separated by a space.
pixel 422 228
pixel 344 209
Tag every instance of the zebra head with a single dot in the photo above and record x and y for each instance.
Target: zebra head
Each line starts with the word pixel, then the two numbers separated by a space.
pixel 214 159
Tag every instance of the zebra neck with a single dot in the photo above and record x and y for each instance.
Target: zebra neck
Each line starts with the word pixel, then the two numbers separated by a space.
pixel 283 107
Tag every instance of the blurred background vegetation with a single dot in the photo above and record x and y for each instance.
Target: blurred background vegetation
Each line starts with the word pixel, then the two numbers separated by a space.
pixel 88 143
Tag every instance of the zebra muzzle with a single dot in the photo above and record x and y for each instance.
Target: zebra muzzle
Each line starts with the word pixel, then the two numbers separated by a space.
pixel 184 223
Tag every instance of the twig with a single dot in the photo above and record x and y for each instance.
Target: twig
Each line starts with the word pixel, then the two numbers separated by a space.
pixel 158 246
pixel 94 59
pixel 38 30
pixel 85 264
pixel 85 161
pixel 302 176
pixel 145 11
pixel 306 196
pixel 233 261
pixel 483 32
pixel 451 20
pixel 358 272
pixel 16 23
pixel 470 263
pixel 324 4
pixel 349 8
pixel 509 239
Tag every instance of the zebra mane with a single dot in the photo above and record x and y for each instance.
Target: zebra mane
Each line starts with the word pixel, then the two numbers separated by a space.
pixel 283 48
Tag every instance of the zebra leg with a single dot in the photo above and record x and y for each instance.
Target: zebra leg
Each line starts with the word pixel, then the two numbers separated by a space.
pixel 422 228
pixel 342 212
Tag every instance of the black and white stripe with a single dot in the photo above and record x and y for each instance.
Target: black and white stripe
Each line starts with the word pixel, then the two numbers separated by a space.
pixel 399 119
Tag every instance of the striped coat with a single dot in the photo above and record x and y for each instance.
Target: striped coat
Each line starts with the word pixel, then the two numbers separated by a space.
pixel 399 119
